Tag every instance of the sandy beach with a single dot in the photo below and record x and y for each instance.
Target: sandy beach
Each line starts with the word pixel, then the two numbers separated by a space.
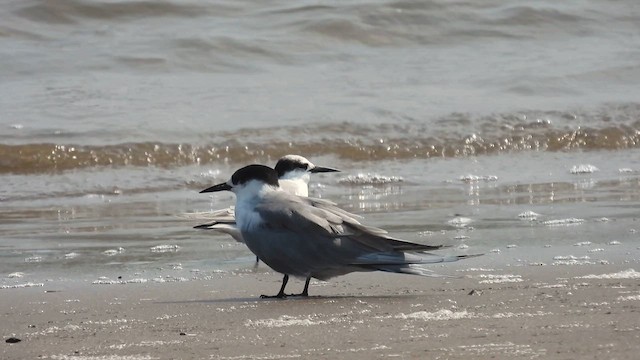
pixel 550 312
pixel 505 128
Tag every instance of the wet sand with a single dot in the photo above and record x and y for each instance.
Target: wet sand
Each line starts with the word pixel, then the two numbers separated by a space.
pixel 519 312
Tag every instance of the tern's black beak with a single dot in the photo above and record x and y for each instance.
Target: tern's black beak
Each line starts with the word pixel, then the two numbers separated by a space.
pixel 320 169
pixel 219 187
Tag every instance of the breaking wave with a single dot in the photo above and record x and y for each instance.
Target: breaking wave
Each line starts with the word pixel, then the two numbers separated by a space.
pixel 344 140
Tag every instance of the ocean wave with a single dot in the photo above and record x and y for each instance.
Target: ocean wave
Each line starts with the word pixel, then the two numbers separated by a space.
pixel 70 11
pixel 343 140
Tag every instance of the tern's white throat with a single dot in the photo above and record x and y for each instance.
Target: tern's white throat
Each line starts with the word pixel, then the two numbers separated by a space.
pixel 248 195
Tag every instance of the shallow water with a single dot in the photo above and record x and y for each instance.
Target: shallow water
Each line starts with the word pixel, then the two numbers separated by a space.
pixel 114 115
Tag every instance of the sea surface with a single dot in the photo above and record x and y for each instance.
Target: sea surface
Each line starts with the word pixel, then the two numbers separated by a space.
pixel 501 127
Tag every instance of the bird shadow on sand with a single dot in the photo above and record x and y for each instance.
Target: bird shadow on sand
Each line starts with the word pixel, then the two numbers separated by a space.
pixel 289 299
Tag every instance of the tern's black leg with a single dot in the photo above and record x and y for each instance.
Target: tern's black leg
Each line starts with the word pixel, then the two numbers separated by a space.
pixel 304 292
pixel 281 293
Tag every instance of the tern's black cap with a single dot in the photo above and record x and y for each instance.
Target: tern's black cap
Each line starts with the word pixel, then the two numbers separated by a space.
pixel 294 162
pixel 255 172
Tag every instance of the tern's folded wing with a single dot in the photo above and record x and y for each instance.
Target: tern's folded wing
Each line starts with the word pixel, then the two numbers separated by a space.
pixel 306 216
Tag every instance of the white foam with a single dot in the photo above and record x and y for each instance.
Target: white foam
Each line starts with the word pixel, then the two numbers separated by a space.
pixel 629 298
pixel 283 321
pixel 528 215
pixel 508 315
pixel 614 242
pixel 20 286
pixel 570 257
pixel 625 274
pixel 572 260
pixel 55 329
pixel 499 279
pixel 15 275
pixel 477 269
pixel 112 252
pixel 582 243
pixel 33 259
pixel 596 250
pixel 463 246
pixel 102 357
pixel 583 169
pixel 106 281
pixel 370 179
pixel 169 279
pixel 443 314
pixel 165 248
pixel 506 350
pixel 460 221
pixel 476 178
pixel 71 255
pixel 563 222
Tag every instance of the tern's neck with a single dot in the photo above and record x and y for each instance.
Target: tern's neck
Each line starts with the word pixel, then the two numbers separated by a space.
pixel 247 199
pixel 295 182
pixel 298 186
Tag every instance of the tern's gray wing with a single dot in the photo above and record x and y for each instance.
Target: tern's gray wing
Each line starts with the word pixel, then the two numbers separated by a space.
pixel 298 239
pixel 397 244
pixel 308 215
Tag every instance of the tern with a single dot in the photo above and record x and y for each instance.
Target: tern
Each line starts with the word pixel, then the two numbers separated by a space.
pixel 294 174
pixel 313 238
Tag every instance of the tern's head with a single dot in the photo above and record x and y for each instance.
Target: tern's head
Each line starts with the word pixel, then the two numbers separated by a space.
pixel 296 167
pixel 251 176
